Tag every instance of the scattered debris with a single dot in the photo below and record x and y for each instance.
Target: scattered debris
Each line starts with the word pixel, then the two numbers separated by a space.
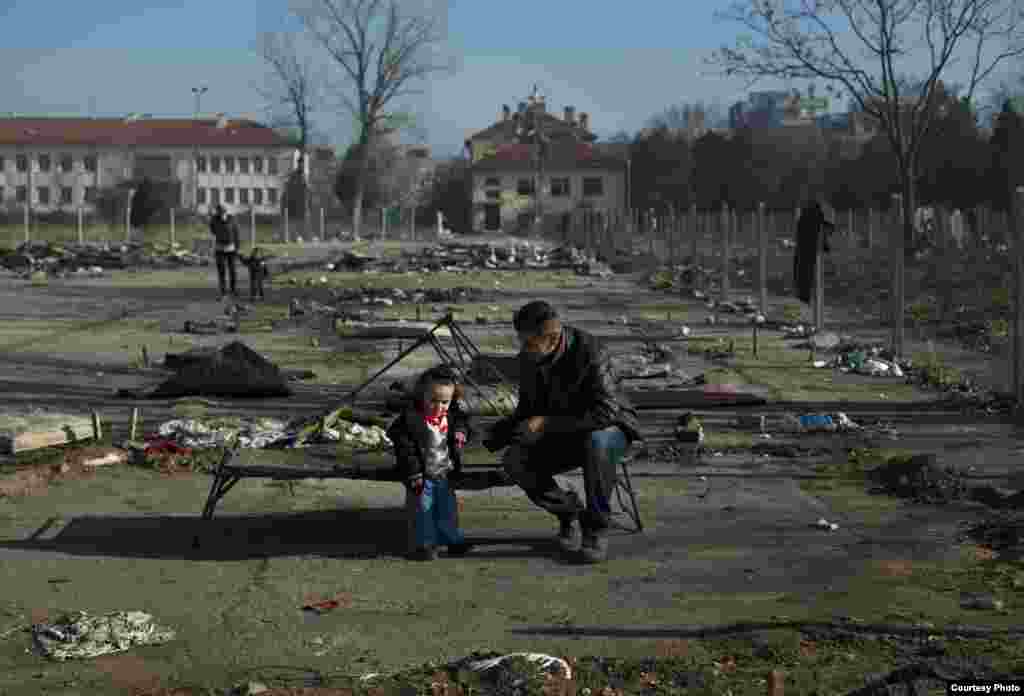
pixel 982 602
pixel 822 523
pixel 81 635
pixel 212 327
pixel 92 259
pixel 507 674
pixel 919 478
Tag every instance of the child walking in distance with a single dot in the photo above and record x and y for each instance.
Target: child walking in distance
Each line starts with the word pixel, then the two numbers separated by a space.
pixel 428 437
pixel 256 262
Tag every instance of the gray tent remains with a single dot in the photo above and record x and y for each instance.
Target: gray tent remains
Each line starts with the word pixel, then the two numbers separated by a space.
pixel 232 370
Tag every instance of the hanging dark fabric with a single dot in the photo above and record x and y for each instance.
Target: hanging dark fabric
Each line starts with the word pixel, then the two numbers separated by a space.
pixel 812 223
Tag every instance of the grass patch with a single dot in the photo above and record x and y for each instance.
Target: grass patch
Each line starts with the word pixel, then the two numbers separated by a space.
pixel 725 440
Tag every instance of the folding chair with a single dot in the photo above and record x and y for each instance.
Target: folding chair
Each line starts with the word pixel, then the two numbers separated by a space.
pixel 625 496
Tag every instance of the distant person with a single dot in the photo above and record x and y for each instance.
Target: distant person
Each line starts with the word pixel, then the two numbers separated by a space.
pixel 428 438
pixel 225 238
pixel 809 228
pixel 259 271
pixel 570 415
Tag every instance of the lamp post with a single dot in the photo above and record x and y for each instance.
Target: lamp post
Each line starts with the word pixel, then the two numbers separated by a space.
pixel 198 92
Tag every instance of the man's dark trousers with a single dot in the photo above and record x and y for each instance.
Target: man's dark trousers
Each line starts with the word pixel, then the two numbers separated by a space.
pixel 226 267
pixel 534 464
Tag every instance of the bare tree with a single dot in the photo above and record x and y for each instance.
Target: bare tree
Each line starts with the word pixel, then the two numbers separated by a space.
pixel 294 91
pixel 382 50
pixel 859 45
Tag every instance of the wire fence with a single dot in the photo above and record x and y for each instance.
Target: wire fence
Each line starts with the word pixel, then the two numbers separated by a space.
pixel 190 230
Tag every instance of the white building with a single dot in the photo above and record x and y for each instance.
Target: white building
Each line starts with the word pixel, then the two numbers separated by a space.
pixel 55 164
pixel 511 185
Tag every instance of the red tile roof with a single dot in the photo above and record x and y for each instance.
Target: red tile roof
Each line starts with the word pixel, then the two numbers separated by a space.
pixel 560 156
pixel 151 132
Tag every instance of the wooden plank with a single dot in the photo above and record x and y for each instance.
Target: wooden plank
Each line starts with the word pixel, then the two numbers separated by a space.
pixel 75 429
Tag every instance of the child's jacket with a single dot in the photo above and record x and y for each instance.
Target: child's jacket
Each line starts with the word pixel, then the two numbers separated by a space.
pixel 409 435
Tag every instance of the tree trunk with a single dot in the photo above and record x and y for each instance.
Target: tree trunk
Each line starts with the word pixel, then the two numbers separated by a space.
pixel 906 239
pixel 364 161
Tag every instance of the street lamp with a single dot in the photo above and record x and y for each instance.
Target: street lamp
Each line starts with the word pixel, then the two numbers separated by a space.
pixel 198 92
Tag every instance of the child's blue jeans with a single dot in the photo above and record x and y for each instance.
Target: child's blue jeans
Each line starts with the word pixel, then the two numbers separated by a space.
pixel 432 515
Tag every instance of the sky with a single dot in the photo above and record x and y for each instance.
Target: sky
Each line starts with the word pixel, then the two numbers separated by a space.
pixel 114 57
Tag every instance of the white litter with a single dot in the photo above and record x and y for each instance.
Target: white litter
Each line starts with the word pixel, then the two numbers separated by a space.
pixel 80 635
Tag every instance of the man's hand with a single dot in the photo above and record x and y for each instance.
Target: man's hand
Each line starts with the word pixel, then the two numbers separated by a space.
pixel 535 425
pixel 460 440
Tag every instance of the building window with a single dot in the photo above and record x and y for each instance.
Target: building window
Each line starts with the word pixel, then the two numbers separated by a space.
pixel 90 163
pixel 21 194
pixel 243 165
pixel 201 196
pixel 44 163
pixel 67 163
pixel 243 196
pixel 22 163
pixel 492 181
pixel 214 196
pixel 593 186
pixel 200 164
pixel 90 194
pixel 524 187
pixel 494 194
pixel 560 186
pixel 272 166
pixel 65 195
pixel 215 164
pixel 271 196
pixel 229 165
pixel 229 196
pixel 257 196
pixel 43 193
pixel 257 165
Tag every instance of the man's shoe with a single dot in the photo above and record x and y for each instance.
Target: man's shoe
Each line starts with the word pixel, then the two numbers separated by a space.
pixel 568 534
pixel 460 549
pixel 594 548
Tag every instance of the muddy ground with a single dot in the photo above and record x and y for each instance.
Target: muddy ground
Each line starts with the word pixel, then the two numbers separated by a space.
pixel 739 545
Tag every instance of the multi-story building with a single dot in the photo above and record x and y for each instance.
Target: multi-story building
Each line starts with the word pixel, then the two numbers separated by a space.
pixel 515 179
pixel 54 164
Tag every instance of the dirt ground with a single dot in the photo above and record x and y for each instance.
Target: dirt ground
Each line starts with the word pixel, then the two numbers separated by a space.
pixel 733 539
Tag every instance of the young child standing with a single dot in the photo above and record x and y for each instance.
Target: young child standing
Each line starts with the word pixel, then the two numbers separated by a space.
pixel 258 272
pixel 428 437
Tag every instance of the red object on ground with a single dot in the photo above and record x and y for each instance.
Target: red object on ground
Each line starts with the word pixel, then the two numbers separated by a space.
pixel 323 607
pixel 165 446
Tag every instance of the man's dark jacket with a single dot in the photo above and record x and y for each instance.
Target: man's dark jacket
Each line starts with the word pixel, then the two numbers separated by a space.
pixel 409 459
pixel 224 230
pixel 575 391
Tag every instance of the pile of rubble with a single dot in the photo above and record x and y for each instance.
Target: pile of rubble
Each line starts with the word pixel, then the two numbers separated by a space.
pixel 92 259
pixel 383 296
pixel 461 257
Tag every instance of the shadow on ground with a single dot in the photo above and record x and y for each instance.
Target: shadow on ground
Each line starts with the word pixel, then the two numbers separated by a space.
pixel 369 533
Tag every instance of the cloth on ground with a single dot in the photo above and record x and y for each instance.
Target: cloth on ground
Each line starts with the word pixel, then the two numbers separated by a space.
pixel 81 635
